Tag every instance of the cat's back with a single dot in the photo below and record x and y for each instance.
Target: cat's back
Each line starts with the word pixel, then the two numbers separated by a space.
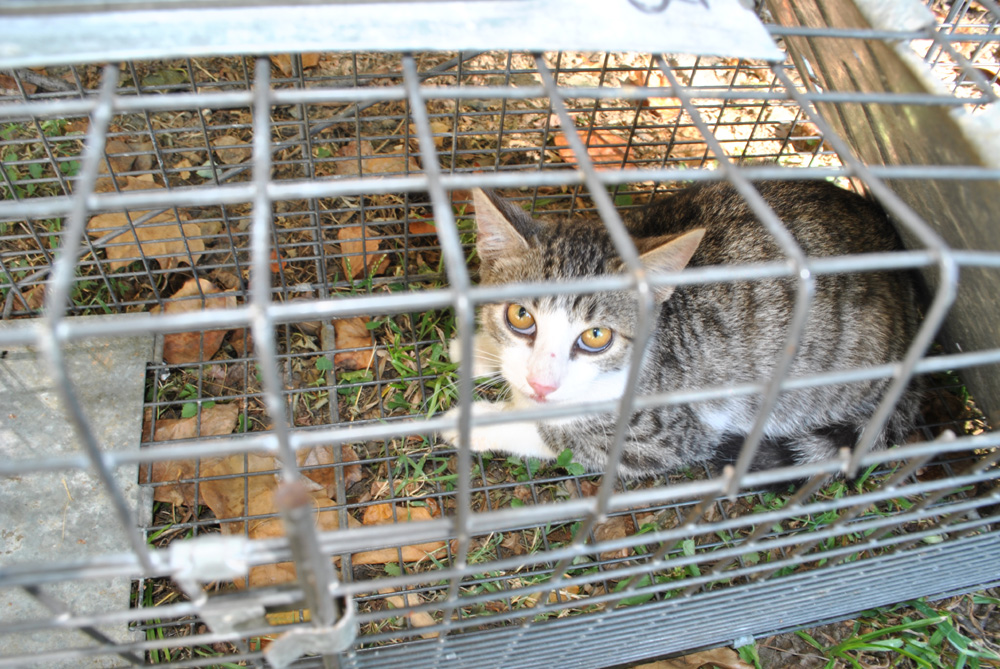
pixel 824 219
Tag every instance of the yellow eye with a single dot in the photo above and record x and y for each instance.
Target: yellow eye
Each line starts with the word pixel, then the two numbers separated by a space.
pixel 520 319
pixel 595 340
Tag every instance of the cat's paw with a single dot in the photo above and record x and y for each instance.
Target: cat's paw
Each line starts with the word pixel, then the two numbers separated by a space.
pixel 482 438
pixel 455 350
pixel 518 438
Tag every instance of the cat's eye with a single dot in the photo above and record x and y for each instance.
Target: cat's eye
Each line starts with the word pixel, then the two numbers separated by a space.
pixel 595 340
pixel 520 319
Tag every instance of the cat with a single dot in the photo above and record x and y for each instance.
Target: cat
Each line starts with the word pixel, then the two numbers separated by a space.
pixel 574 348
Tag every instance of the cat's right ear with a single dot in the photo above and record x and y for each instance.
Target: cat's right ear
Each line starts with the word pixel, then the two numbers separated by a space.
pixel 671 255
pixel 502 227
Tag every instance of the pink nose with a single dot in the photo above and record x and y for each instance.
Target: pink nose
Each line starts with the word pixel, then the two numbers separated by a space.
pixel 541 389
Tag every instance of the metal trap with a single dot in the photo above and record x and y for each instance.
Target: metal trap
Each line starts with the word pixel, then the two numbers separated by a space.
pixel 301 228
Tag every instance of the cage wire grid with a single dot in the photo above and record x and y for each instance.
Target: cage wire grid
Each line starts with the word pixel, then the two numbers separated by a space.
pixel 366 161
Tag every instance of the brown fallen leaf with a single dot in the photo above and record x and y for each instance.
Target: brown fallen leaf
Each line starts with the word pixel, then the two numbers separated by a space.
pixel 461 199
pixel 8 86
pixel 232 150
pixel 371 164
pixel 326 520
pixel 284 62
pixel 358 246
pixel 78 126
pixel 439 129
pixel 351 333
pixel 242 342
pixel 720 658
pixel 564 594
pixel 143 161
pixel 616 527
pixel 605 148
pixel 225 495
pixel 214 420
pixel 184 173
pixel 164 238
pixel 325 473
pixel 34 298
pixel 227 482
pixel 422 228
pixel 277 264
pixel 803 136
pixel 182 347
pixel 512 542
pixel 352 472
pixel 416 618
pixel 382 514
pixel 119 163
pixel 219 419
pixel 657 79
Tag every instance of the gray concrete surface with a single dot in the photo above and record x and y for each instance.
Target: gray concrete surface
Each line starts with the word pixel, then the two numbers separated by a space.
pixel 67 515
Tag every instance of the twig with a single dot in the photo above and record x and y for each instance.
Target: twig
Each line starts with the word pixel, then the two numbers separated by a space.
pixel 44 81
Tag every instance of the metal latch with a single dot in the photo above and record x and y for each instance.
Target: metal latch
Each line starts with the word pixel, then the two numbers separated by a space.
pixel 213 558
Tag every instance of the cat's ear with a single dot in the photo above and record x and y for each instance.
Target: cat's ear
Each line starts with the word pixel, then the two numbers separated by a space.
pixel 671 255
pixel 502 228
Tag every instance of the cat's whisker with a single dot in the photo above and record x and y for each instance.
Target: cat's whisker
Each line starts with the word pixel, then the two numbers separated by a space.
pixel 484 383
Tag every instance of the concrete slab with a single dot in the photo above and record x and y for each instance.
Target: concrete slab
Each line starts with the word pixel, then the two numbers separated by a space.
pixel 68 515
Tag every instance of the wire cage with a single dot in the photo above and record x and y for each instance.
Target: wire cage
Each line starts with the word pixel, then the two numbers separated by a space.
pixel 302 230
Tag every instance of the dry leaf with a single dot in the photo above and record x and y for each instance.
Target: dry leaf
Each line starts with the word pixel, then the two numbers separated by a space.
pixel 215 420
pixel 231 480
pixel 8 86
pixel 382 514
pixel 723 658
pixel 512 542
pixel 439 129
pixel 181 347
pixel 616 527
pixel 284 62
pixel 350 333
pixel 422 228
pixel 359 244
pixel 33 300
pixel 219 419
pixel 162 236
pixel 370 163
pixel 78 126
pixel 119 163
pixel 232 150
pixel 461 199
pixel 326 520
pixel 184 174
pixel 143 161
pixel 564 595
pixel 324 476
pixel 657 79
pixel 606 149
pixel 352 472
pixel 803 136
pixel 161 239
pixel 276 263
pixel 416 618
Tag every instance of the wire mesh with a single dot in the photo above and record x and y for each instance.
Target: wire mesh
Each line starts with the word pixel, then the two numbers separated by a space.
pixel 301 228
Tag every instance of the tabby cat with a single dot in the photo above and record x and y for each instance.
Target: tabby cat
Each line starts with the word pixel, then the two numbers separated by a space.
pixel 566 349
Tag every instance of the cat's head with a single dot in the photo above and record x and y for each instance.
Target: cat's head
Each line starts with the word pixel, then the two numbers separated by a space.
pixel 568 348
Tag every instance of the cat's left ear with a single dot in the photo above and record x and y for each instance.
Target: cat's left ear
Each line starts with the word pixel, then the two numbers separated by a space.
pixel 502 228
pixel 672 255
